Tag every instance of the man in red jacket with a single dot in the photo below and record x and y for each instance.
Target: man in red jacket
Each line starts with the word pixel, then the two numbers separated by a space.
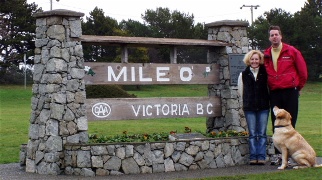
pixel 287 74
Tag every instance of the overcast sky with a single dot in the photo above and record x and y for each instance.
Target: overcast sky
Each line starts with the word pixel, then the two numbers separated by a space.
pixel 204 11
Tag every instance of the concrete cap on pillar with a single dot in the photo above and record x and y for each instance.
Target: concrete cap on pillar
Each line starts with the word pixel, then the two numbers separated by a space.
pixel 227 23
pixel 59 12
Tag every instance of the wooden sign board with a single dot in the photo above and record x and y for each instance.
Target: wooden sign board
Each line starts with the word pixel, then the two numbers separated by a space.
pixel 147 73
pixel 236 66
pixel 150 108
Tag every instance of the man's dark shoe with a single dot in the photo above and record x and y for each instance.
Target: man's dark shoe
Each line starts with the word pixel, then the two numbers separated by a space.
pixel 276 159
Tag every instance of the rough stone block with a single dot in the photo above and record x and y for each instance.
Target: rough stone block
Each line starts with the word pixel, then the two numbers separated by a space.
pixel 30 166
pixel 84 159
pixel 129 166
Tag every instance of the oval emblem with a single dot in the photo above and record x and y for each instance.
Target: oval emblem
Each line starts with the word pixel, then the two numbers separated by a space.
pixel 101 110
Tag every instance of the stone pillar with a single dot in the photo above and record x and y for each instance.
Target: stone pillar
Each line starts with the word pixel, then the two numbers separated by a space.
pixel 58 101
pixel 233 32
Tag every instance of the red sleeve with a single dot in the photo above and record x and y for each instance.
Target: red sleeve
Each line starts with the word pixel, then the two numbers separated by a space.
pixel 301 69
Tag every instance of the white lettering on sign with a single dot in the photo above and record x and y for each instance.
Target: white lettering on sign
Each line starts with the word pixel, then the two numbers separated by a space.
pixel 209 105
pixel 200 109
pixel 142 79
pixel 160 74
pixel 185 70
pixel 169 109
pixel 101 110
pixel 133 74
pixel 110 74
pixel 185 74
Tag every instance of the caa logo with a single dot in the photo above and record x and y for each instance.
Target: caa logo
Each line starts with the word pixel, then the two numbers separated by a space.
pixel 101 110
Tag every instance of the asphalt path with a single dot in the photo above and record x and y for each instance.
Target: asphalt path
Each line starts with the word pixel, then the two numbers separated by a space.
pixel 13 171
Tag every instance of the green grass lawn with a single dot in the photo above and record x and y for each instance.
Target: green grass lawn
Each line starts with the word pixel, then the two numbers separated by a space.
pixel 15 109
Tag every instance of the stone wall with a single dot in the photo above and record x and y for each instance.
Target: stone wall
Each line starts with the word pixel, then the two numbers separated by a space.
pixel 116 159
pixel 135 158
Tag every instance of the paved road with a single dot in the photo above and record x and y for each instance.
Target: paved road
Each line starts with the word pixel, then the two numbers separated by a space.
pixel 13 171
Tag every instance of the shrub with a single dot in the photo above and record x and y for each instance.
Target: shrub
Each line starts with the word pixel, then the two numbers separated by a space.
pixel 162 136
pixel 229 133
pixel 129 138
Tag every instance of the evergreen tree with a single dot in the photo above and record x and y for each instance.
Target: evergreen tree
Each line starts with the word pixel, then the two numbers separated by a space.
pixel 17 30
pixel 17 33
pixel 307 36
pixel 101 25
pixel 166 24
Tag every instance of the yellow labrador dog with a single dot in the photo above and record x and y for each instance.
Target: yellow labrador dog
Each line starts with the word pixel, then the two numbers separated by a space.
pixel 290 143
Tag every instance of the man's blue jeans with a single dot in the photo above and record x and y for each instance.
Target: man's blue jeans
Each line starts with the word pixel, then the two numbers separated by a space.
pixel 257 125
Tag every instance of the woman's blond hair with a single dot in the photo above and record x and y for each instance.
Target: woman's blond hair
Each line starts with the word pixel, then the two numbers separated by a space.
pixel 247 57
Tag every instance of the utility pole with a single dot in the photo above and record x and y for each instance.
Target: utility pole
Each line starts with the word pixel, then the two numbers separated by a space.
pixel 25 66
pixel 251 9
pixel 51 4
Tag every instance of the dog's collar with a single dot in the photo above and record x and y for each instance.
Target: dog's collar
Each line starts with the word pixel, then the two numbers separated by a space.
pixel 280 126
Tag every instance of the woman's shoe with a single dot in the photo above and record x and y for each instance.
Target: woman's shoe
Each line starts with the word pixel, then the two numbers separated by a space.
pixel 261 162
pixel 252 162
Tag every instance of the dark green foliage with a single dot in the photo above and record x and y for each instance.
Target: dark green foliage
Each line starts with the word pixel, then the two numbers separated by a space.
pixel 164 23
pixel 308 36
pixel 135 28
pixel 106 91
pixel 100 25
pixel 17 30
pixel 129 138
pixel 161 136
pixel 12 75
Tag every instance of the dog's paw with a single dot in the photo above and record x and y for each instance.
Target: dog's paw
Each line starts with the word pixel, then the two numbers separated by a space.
pixel 317 165
pixel 281 167
pixel 295 167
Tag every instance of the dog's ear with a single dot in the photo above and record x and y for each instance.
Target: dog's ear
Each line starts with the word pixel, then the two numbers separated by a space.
pixel 289 115
pixel 276 110
pixel 279 113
